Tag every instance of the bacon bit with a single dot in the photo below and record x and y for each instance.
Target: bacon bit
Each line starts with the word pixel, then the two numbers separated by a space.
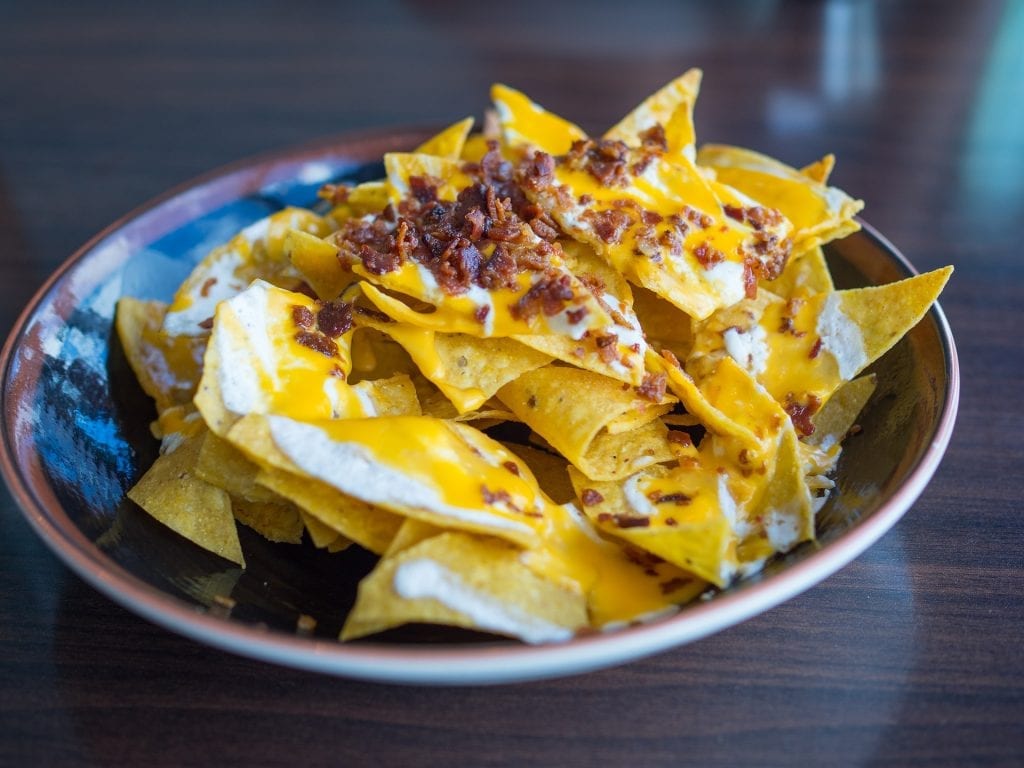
pixel 626 521
pixel 302 316
pixel 815 349
pixel 590 497
pixel 707 255
pixel 680 438
pixel 378 262
pixel 653 386
pixel 679 499
pixel 654 137
pixel 604 517
pixel 499 271
pixel 500 496
pixel 575 315
pixel 651 218
pixel 317 342
pixel 609 225
pixel 424 188
pixel 681 225
pixel 480 313
pixel 338 373
pixel 749 279
pixel 603 159
pixel 585 200
pixel 606 347
pixel 697 218
pixel 670 586
pixel 335 193
pixel 334 318
pixel 537 172
pixel 205 290
pixel 543 230
pixel 532 401
pixel 579 352
pixel 669 356
pixel 549 296
pixel 671 522
pixel 512 467
pixel 206 324
pixel 756 216
pixel 800 413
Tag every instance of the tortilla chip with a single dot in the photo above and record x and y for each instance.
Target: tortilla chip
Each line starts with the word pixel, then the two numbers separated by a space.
pixel 465 581
pixel 572 408
pixel 273 520
pixel 368 526
pixel 171 492
pixel 449 142
pixel 676 514
pixel 167 367
pixel 670 108
pixel 316 260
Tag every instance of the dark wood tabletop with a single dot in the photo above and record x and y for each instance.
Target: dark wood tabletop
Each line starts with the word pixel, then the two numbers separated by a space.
pixel 911 655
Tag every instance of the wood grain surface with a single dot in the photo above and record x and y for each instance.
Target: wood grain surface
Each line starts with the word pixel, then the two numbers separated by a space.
pixel 909 656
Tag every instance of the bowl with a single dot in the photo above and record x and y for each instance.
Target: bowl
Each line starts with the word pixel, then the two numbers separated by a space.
pixel 75 437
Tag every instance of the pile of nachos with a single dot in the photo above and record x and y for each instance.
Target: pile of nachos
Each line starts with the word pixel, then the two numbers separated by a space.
pixel 556 383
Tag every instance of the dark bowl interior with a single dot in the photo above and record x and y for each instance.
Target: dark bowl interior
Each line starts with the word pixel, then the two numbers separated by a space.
pixel 75 422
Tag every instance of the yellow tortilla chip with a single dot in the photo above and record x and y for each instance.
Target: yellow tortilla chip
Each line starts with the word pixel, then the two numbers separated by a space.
pixel 171 492
pixel 570 408
pixel 322 535
pixel 669 108
pixel 316 260
pixel 255 253
pixel 819 213
pixel 273 520
pixel 449 142
pixel 677 514
pixel 465 581
pixel 366 525
pixel 467 369
pixel 167 367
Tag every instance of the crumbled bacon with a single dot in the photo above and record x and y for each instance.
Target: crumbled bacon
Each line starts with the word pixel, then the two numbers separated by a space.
pixel 609 224
pixel 537 171
pixel 749 278
pixel 708 255
pixel 679 499
pixel 317 342
pixel 512 467
pixel 480 313
pixel 549 295
pixel 302 316
pixel 680 438
pixel 653 387
pixel 801 413
pixel 815 349
pixel 204 291
pixel 606 347
pixel 334 318
pixel 757 216
pixel 654 137
pixel 603 159
pixel 590 497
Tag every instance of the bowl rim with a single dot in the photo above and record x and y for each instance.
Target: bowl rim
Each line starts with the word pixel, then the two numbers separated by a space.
pixel 432 664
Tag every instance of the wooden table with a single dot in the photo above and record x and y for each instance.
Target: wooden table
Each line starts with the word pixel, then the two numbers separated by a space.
pixel 911 655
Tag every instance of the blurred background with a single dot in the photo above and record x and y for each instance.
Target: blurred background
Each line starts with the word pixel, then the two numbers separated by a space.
pixel 107 104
